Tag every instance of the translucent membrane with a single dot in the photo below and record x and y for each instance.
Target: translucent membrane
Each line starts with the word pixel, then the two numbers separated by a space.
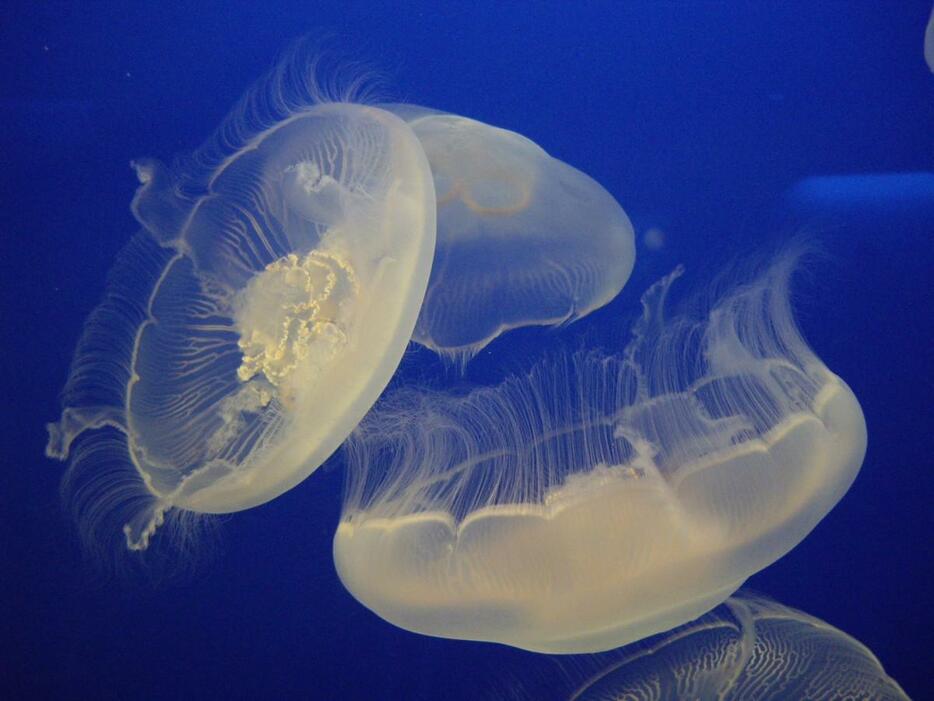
pixel 750 649
pixel 259 316
pixel 523 238
pixel 600 500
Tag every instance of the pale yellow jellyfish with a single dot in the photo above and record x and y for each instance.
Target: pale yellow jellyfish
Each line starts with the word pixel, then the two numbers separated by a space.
pixel 749 649
pixel 258 317
pixel 523 238
pixel 600 500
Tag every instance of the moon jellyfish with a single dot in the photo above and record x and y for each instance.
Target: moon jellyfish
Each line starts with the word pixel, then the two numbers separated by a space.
pixel 601 499
pixel 258 316
pixel 523 238
pixel 750 649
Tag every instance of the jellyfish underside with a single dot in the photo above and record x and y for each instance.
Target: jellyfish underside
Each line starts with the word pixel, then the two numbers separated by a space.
pixel 297 264
pixel 750 649
pixel 523 238
pixel 600 500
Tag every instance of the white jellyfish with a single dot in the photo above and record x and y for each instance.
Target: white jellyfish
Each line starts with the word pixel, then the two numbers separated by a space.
pixel 260 314
pixel 749 649
pixel 523 238
pixel 601 499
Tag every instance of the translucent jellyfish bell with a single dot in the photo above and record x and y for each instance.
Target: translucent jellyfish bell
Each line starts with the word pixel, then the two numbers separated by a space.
pixel 600 500
pixel 259 316
pixel 750 649
pixel 523 238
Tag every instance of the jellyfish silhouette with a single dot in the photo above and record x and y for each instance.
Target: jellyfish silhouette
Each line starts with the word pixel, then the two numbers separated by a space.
pixel 749 649
pixel 601 499
pixel 523 238
pixel 279 276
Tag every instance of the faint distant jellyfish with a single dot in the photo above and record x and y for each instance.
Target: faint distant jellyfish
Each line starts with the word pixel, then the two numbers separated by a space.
pixel 653 238
pixel 599 500
pixel 523 238
pixel 750 649
pixel 238 356
pixel 929 41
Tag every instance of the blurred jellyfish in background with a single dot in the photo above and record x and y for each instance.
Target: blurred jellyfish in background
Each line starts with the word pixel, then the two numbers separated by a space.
pixel 929 42
pixel 259 314
pixel 748 649
pixel 654 238
pixel 602 499
pixel 280 274
pixel 861 205
pixel 523 238
pixel 881 195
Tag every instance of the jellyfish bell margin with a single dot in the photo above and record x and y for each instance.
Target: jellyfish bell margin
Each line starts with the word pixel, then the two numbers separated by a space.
pixel 748 649
pixel 602 499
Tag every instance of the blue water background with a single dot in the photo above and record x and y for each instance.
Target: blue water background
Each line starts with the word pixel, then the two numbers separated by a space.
pixel 698 116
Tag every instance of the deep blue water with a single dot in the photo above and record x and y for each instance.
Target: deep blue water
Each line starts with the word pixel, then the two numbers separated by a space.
pixel 700 117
